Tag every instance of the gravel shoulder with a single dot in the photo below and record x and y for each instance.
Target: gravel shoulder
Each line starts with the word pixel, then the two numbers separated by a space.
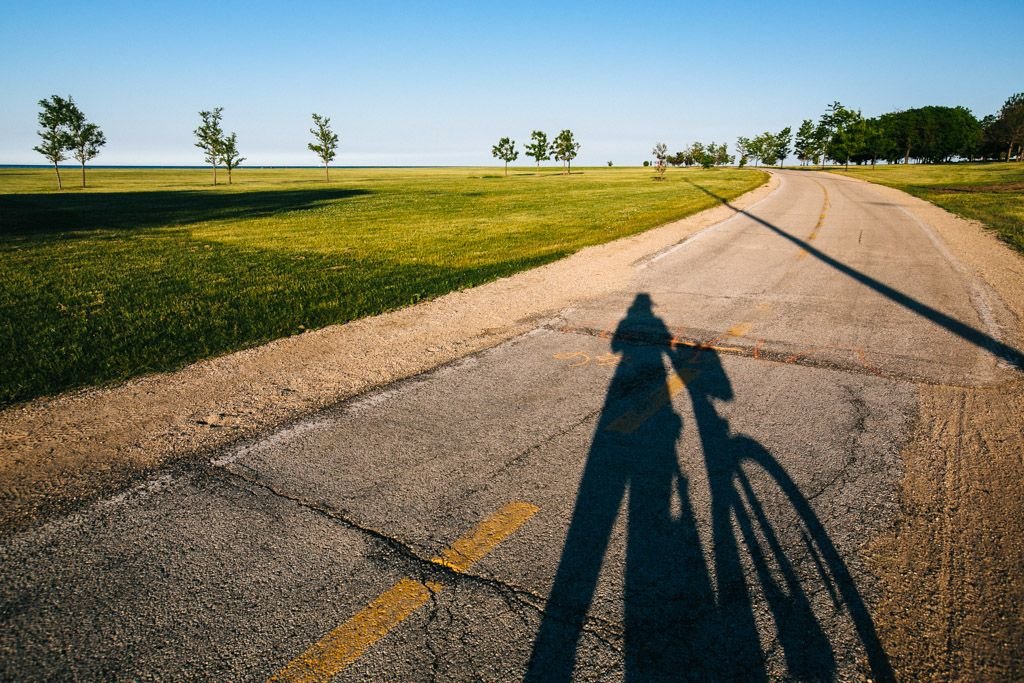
pixel 61 451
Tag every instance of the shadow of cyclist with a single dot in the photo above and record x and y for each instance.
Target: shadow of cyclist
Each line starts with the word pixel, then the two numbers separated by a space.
pixel 682 618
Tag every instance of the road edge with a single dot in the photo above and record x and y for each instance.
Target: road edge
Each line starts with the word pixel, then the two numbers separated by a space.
pixel 63 451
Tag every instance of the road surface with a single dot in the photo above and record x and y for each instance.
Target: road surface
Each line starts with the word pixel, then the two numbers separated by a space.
pixel 676 481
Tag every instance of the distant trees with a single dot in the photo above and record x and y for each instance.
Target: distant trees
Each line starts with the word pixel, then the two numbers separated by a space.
pixel 506 151
pixel 217 148
pixel 660 153
pixel 209 136
pixel 64 128
pixel 771 148
pixel 931 134
pixel 706 155
pixel 538 147
pixel 806 147
pixel 678 159
pixel 564 148
pixel 53 132
pixel 743 150
pixel 229 154
pixel 720 154
pixel 325 141
pixel 831 128
pixel 1010 125
pixel 84 138
pixel 783 141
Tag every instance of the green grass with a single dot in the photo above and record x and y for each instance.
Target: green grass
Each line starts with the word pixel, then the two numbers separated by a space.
pixel 149 270
pixel 991 193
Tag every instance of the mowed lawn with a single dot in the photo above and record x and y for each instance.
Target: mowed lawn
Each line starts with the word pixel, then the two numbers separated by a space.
pixel 992 193
pixel 148 270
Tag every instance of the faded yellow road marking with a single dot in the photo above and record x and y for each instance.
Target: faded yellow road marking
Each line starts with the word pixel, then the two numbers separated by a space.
pixel 346 643
pixel 630 421
pixel 583 358
pixel 739 330
pixel 821 221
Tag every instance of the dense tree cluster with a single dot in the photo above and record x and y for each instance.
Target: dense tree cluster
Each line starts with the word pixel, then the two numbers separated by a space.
pixel 771 148
pixel 931 134
pixel 701 154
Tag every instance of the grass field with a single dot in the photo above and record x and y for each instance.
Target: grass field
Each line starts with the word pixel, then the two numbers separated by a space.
pixel 990 193
pixel 149 270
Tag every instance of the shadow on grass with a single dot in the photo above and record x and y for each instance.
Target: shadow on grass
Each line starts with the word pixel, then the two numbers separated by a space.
pixel 29 215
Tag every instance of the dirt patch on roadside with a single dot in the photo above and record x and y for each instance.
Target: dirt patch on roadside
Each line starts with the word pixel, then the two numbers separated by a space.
pixel 953 569
pixel 954 596
pixel 58 452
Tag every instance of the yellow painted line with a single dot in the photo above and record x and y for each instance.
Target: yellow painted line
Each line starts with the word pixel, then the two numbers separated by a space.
pixel 346 643
pixel 630 421
pixel 466 551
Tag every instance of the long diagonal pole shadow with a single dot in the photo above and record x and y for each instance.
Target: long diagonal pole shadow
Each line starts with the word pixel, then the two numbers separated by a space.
pixel 685 616
pixel 962 330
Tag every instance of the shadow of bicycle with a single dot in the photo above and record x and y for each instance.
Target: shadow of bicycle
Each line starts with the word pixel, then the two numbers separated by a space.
pixel 769 571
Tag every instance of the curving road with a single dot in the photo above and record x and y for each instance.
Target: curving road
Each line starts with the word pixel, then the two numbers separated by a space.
pixel 678 481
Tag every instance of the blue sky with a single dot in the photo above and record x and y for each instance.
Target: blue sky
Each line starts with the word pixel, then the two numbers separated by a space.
pixel 439 83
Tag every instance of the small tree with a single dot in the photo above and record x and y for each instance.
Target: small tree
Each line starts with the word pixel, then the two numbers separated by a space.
pixel 743 149
pixel 701 155
pixel 565 148
pixel 538 147
pixel 209 137
pixel 783 140
pixel 609 164
pixel 660 153
pixel 805 142
pixel 325 141
pixel 84 138
pixel 229 153
pixel 835 119
pixel 53 132
pixel 506 151
pixel 721 155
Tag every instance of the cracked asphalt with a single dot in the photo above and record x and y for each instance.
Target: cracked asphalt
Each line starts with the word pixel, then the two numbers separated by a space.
pixel 711 451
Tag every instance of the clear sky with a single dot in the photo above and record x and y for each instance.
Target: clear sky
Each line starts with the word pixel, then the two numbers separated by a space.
pixel 439 82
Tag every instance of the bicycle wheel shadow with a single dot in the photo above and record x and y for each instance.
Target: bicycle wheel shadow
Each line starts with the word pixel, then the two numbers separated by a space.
pixel 690 611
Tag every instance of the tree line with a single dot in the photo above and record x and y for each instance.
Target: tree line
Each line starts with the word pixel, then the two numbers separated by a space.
pixel 697 154
pixel 564 147
pixel 63 128
pixel 931 134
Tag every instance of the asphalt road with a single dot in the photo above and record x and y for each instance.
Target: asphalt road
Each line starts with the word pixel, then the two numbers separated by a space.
pixel 675 482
